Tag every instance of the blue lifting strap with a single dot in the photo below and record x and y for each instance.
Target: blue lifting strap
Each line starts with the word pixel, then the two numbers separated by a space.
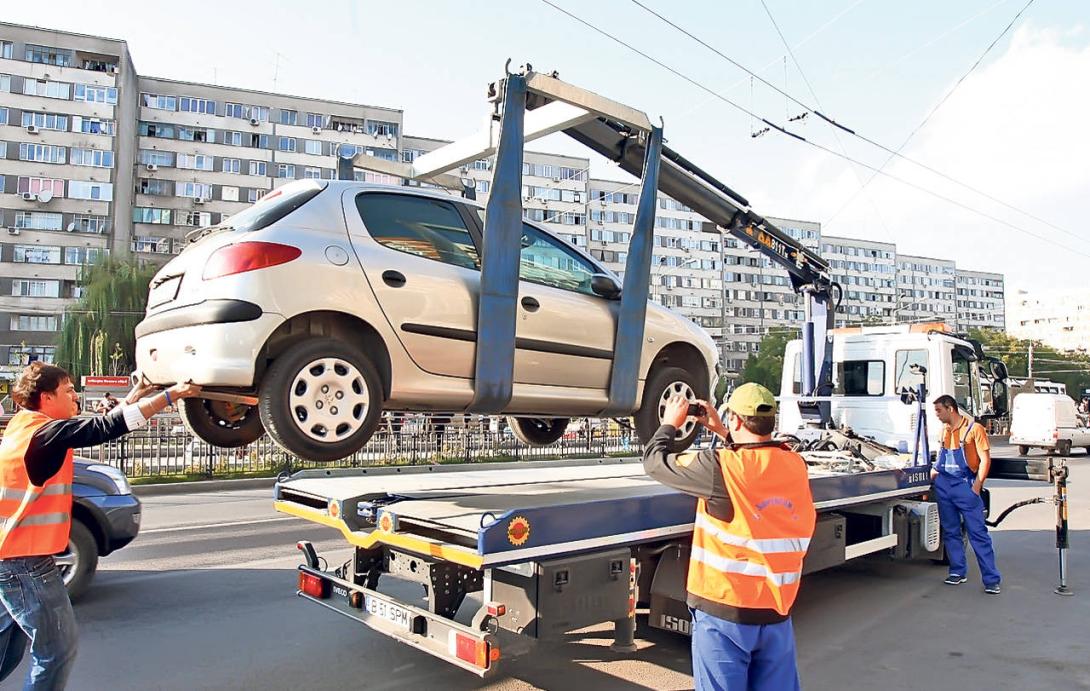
pixel 496 309
pixel 628 342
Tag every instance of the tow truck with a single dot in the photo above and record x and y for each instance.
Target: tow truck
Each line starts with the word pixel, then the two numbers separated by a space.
pixel 515 552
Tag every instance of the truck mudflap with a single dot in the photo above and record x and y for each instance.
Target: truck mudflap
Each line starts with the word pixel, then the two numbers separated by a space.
pixel 467 647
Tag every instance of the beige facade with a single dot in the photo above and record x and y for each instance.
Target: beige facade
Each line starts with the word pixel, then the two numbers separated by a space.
pixel 1059 320
pixel 981 302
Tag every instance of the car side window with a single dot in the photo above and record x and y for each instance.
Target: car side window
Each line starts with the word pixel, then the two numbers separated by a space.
pixel 429 228
pixel 545 260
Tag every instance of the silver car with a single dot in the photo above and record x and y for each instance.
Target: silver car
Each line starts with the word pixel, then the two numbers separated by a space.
pixel 331 301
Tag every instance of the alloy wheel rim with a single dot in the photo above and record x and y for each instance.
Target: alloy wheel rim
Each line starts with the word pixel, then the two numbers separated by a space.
pixel 676 388
pixel 329 400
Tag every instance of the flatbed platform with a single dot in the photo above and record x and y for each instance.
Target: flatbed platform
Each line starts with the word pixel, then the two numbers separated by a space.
pixel 512 513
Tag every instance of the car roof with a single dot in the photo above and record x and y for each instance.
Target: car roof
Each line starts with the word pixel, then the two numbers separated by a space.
pixel 340 186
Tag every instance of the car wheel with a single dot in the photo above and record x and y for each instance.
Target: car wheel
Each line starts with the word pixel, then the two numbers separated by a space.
pixel 661 386
pixel 538 431
pixel 321 400
pixel 221 424
pixel 78 563
pixel 1023 450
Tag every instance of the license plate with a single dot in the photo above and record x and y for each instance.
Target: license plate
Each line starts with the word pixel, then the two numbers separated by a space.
pixel 385 610
pixel 164 292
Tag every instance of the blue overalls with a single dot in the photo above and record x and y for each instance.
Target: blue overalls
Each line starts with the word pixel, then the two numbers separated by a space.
pixel 957 503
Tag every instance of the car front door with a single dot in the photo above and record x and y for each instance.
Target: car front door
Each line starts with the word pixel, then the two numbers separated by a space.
pixel 565 332
pixel 423 267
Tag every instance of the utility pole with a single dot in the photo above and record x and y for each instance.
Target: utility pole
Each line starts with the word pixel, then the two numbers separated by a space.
pixel 1031 360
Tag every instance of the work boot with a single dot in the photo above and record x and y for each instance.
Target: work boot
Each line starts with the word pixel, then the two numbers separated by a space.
pixel 992 589
pixel 954 579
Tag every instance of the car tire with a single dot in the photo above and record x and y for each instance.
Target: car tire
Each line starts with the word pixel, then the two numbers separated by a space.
pixel 538 431
pixel 221 424
pixel 308 380
pixel 662 383
pixel 78 563
pixel 1023 450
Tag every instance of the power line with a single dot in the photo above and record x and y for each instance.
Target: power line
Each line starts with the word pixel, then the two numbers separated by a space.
pixel 893 153
pixel 820 147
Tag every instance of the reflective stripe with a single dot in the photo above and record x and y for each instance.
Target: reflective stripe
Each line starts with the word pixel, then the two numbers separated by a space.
pixel 745 568
pixel 766 546
pixel 8 494
pixel 40 519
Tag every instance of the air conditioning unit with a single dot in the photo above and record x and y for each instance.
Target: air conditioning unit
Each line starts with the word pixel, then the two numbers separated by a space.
pixel 198 200
pixel 389 135
pixel 151 167
pixel 556 178
pixel 255 122
pixel 316 129
pixel 115 69
pixel 13 231
pixel 600 222
pixel 32 129
pixel 28 196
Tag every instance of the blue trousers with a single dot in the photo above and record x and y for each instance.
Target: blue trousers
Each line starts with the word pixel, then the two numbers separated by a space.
pixel 35 606
pixel 743 657
pixel 958 504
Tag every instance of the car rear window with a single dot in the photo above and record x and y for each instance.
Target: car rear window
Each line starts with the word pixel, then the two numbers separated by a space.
pixel 274 206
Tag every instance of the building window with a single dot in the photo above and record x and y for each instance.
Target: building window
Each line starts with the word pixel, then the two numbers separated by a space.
pixel 151 244
pixel 195 162
pixel 150 215
pixel 232 165
pixel 82 256
pixel 5 83
pixel 188 104
pixel 33 322
pixel 194 134
pixel 150 157
pixel 3 116
pixel 288 117
pixel 156 129
pixel 38 220
pixel 89 224
pixel 258 168
pixel 35 254
pixel 232 138
pixel 24 355
pixel 311 173
pixel 92 125
pixel 6 49
pixel 315 120
pixel 48 56
pixel 256 141
pixel 285 170
pixel 42 153
pixel 159 102
pixel 97 94
pixel 35 289
pixel 155 186
pixel 95 158
pixel 380 128
pixel 313 147
pixel 193 190
pixel 253 195
pixel 246 112
pixel 83 189
pixel 197 219
pixel 45 121
pixel 41 87
pixel 286 144
pixel 229 194
pixel 27 185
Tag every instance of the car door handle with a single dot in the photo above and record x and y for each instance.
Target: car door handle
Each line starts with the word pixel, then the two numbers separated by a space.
pixel 530 304
pixel 394 279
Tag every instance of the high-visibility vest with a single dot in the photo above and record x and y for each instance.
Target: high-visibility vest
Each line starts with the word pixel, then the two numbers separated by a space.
pixel 34 521
pixel 754 560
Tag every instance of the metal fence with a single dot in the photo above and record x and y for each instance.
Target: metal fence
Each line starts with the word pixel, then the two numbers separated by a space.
pixel 166 448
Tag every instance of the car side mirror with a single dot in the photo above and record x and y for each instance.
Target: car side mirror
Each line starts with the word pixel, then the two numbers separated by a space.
pixel 999 370
pixel 605 286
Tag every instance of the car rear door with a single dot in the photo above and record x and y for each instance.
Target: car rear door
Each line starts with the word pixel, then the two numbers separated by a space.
pixel 422 264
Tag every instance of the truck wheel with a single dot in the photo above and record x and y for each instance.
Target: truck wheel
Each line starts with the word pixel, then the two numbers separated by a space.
pixel 661 386
pixel 78 563
pixel 538 431
pixel 321 400
pixel 1023 450
pixel 228 425
pixel 1063 447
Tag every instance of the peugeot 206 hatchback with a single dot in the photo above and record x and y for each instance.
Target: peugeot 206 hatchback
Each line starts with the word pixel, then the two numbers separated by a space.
pixel 331 301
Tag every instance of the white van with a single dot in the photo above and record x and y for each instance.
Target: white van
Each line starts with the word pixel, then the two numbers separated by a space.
pixel 1047 421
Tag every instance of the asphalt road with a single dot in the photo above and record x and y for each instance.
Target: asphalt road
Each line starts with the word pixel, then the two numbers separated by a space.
pixel 204 599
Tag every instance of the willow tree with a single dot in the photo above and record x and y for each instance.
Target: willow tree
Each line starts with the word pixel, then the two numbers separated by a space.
pixel 97 333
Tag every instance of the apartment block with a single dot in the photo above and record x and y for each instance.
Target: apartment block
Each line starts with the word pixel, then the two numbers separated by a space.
pixel 926 290
pixel 867 272
pixel 1057 319
pixel 981 302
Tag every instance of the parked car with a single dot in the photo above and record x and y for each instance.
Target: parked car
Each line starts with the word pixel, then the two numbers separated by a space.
pixel 1047 421
pixel 330 301
pixel 105 518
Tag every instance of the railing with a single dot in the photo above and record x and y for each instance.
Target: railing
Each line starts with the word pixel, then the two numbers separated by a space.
pixel 166 449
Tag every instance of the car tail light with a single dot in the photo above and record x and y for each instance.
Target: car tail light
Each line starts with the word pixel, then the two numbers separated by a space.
pixel 473 650
pixel 248 256
pixel 312 585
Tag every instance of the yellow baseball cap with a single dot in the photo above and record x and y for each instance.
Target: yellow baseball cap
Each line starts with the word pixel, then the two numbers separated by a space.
pixel 752 400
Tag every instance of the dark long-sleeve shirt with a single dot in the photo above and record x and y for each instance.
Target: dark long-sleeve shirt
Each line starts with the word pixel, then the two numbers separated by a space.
pixel 50 444
pixel 694 472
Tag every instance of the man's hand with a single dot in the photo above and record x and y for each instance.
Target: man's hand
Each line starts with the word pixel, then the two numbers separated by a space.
pixel 677 411
pixel 978 485
pixel 712 421
pixel 184 390
pixel 141 390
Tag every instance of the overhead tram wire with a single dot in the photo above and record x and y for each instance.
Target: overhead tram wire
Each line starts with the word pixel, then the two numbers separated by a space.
pixel 820 147
pixel 893 153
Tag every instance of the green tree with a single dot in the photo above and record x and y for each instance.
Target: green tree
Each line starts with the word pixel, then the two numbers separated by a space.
pixel 1071 369
pixel 766 366
pixel 97 334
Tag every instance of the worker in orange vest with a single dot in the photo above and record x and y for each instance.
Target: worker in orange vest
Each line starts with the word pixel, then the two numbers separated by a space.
pixel 36 512
pixel 754 520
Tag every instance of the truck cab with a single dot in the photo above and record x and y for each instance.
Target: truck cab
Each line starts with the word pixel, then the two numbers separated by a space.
pixel 872 366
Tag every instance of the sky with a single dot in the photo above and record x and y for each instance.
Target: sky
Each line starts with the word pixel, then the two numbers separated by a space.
pixel 1014 129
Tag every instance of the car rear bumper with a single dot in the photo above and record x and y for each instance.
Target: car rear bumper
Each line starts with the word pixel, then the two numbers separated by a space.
pixel 121 514
pixel 210 354
pixel 206 312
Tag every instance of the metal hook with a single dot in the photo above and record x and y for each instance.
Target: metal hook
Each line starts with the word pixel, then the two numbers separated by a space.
pixel 507 67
